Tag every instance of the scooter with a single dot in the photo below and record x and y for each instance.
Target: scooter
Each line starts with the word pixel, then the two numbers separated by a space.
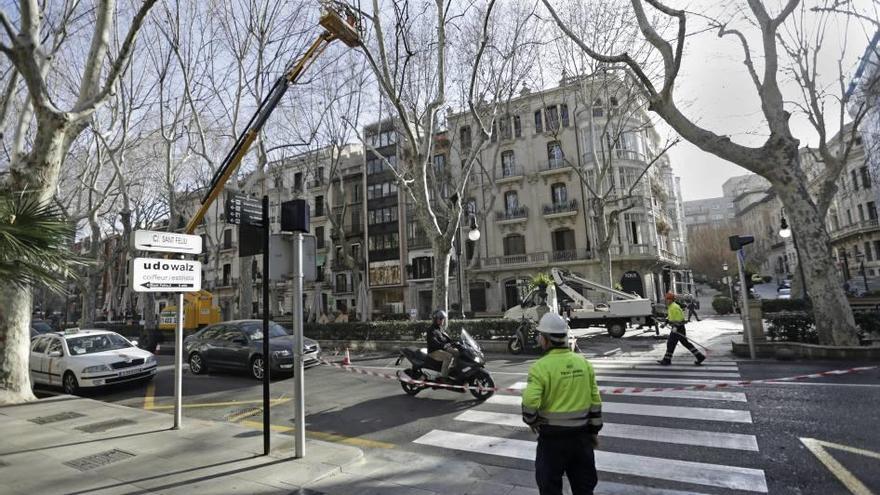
pixel 468 368
pixel 525 339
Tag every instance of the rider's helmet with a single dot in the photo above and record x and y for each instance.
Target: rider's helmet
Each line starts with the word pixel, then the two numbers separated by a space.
pixel 439 317
pixel 554 328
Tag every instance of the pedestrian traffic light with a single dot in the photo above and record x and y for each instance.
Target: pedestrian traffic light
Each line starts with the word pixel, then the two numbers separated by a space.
pixel 738 241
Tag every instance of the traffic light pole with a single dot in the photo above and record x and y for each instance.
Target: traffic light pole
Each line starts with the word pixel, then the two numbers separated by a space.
pixel 744 295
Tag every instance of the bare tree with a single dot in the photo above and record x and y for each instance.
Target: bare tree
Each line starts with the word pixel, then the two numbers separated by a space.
pixel 777 159
pixel 709 251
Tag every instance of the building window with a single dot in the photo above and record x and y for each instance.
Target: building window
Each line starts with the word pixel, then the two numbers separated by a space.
pixel 423 267
pixel 598 111
pixel 551 117
pixel 356 193
pixel 868 255
pixel 342 282
pixel 382 215
pixel 508 164
pixel 554 154
pixel 861 213
pixel 559 193
pixel 279 182
pixel 872 210
pixel 855 179
pixel 227 239
pixel 514 244
pixel 511 201
pixel 465 136
pixel 849 219
pixel 504 125
pixel 517 126
pixel 866 178
pixel 539 123
pixel 439 164
pixel 877 249
pixel 298 181
pixel 471 206
pixel 319 206
pixel 319 237
pixel 227 275
pixel 563 240
pixel 563 114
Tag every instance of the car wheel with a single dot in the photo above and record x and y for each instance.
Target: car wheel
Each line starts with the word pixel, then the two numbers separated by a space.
pixel 197 365
pixel 257 367
pixel 69 383
pixel 616 330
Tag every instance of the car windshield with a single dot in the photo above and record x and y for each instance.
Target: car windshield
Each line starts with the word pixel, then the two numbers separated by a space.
pixel 90 344
pixel 254 331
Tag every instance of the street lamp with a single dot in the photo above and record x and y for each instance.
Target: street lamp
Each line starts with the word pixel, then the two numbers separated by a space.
pixel 473 236
pixel 784 231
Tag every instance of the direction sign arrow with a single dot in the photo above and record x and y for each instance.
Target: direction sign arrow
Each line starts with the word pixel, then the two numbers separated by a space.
pixel 153 285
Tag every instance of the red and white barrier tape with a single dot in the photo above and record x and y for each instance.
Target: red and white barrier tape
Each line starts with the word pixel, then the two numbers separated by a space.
pixel 618 390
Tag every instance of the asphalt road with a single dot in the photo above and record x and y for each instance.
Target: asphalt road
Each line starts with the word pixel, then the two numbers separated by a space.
pixel 738 440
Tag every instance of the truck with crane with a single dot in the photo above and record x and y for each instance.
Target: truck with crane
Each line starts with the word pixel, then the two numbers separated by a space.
pixel 620 310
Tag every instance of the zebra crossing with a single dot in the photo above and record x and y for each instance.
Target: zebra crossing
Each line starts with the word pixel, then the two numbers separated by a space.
pixel 641 428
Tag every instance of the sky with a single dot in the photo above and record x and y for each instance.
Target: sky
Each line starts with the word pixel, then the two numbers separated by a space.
pixel 715 90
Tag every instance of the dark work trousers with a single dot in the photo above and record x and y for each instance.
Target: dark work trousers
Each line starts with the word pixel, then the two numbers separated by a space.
pixel 571 455
pixel 678 335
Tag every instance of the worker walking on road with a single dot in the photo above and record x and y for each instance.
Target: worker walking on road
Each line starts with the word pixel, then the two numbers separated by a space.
pixel 693 305
pixel 675 318
pixel 561 404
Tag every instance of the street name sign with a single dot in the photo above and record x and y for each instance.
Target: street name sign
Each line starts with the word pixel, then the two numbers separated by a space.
pixel 161 275
pixel 167 242
pixel 243 210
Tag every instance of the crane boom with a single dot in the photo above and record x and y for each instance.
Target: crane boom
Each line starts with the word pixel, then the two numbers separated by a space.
pixel 334 28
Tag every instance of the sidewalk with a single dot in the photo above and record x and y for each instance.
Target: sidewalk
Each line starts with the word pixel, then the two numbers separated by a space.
pixel 70 445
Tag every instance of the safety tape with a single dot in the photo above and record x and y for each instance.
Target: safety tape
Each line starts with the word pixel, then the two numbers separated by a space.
pixel 606 390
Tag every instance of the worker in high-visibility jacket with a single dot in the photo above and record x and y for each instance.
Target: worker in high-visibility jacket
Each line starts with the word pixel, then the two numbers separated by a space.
pixel 675 318
pixel 561 404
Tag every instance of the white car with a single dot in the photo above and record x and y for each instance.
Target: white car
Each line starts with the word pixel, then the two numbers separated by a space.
pixel 88 358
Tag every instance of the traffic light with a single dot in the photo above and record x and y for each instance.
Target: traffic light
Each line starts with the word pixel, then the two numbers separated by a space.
pixel 738 241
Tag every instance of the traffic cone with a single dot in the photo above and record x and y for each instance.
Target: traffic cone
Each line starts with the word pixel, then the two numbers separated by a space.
pixel 346 361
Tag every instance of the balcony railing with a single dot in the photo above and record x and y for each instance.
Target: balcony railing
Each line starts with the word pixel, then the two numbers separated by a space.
pixel 631 249
pixel 854 228
pixel 314 184
pixel 556 163
pixel 516 259
pixel 512 214
pixel 571 255
pixel 565 207
pixel 665 253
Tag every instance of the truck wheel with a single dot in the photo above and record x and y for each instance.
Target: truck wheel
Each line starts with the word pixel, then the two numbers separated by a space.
pixel 616 330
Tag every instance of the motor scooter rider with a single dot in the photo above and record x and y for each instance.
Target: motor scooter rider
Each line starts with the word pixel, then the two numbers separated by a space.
pixel 440 345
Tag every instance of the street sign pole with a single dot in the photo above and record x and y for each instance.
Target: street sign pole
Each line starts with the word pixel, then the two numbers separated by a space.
pixel 266 357
pixel 298 382
pixel 744 295
pixel 178 364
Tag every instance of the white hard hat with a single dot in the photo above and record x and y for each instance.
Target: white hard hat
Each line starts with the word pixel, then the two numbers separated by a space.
pixel 553 325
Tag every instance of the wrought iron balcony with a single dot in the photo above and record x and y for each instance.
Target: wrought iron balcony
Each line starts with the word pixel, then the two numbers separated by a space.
pixel 518 213
pixel 565 207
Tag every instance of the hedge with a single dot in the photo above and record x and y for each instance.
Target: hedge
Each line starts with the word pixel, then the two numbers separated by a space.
pixel 482 329
pixel 799 326
pixel 778 305
pixel 722 305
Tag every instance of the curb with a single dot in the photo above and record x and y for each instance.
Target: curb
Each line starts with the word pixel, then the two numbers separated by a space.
pixel 798 350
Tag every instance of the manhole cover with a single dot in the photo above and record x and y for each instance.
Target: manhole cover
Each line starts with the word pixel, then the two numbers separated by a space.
pixel 42 420
pixel 105 425
pixel 97 460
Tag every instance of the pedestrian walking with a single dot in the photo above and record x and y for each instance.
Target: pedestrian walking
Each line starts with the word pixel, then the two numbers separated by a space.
pixel 561 404
pixel 675 318
pixel 693 305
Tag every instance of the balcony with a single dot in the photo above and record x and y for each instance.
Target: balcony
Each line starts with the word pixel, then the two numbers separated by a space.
pixel 861 227
pixel 316 184
pixel 670 256
pixel 556 210
pixel 343 288
pixel 508 174
pixel 516 259
pixel 512 215
pixel 571 255
pixel 554 167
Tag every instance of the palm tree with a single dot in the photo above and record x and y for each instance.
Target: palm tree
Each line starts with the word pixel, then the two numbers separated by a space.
pixel 33 251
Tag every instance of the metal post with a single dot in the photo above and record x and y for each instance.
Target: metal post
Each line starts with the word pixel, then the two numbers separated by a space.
pixel 460 278
pixel 266 357
pixel 298 388
pixel 744 295
pixel 178 364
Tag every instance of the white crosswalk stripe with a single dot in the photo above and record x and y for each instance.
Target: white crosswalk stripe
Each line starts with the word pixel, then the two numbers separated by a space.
pixel 627 426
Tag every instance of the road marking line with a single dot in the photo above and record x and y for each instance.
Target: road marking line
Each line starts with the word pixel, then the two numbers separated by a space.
pixel 149 396
pixel 867 385
pixel 320 435
pixel 225 404
pixel 818 448
pixel 236 417
pixel 609 488
pixel 734 441
pixel 671 394
pixel 700 473
pixel 600 372
pixel 698 413
pixel 653 360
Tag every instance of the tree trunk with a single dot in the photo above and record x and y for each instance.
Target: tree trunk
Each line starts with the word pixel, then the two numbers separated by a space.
pixel 442 254
pixel 834 318
pixel 15 317
pixel 245 288
pixel 603 244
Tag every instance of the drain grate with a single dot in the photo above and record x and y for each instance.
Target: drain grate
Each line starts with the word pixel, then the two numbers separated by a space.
pixel 98 460
pixel 105 425
pixel 63 416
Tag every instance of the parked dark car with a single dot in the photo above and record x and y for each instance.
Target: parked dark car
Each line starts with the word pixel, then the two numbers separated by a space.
pixel 239 345
pixel 40 327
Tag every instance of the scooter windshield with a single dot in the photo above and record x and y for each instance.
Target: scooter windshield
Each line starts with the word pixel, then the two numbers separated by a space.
pixel 469 341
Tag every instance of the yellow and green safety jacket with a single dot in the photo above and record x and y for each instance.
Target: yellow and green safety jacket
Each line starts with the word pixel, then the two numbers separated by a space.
pixel 562 395
pixel 674 314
